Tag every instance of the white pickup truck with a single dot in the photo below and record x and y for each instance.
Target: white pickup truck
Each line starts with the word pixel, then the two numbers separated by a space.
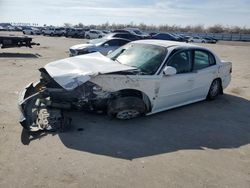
pixel 54 31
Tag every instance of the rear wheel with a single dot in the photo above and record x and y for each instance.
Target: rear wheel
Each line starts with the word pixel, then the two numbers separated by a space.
pixel 87 37
pixel 215 89
pixel 125 108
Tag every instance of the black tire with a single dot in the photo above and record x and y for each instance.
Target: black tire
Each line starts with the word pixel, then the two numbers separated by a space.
pixel 125 108
pixel 203 41
pixel 23 32
pixel 87 37
pixel 32 33
pixel 215 89
pixel 100 37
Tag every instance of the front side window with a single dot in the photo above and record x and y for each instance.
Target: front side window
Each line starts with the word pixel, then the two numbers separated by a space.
pixel 122 42
pixel 182 61
pixel 202 59
pixel 112 43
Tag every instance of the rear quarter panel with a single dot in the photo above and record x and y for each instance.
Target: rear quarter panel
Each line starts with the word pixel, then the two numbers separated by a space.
pixel 225 69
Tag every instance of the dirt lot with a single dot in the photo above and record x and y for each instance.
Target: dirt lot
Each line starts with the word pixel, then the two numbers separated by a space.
pixel 206 144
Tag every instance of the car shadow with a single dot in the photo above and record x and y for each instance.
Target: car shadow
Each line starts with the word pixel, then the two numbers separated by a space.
pixel 19 55
pixel 218 124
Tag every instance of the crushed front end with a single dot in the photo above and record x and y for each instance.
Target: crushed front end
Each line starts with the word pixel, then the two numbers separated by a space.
pixel 43 104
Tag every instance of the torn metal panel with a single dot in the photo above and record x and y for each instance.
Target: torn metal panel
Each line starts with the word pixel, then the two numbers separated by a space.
pixel 74 71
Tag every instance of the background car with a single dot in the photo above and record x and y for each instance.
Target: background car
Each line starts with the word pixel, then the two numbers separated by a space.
pixel 210 40
pixel 75 33
pixel 32 31
pixel 94 34
pixel 48 31
pixel 197 40
pixel 60 31
pixel 103 45
pixel 53 31
pixel 133 31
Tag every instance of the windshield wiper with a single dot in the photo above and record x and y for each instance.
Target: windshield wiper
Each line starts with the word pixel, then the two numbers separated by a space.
pixel 117 61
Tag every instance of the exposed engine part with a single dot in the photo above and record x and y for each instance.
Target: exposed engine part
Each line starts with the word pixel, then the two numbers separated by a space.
pixel 48 119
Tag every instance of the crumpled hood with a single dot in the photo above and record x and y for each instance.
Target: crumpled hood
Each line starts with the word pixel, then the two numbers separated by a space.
pixel 74 71
pixel 81 46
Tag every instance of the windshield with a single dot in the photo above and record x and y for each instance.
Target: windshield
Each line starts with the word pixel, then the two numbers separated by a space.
pixel 145 57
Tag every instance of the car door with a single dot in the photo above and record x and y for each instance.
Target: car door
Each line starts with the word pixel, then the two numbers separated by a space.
pixel 206 71
pixel 177 89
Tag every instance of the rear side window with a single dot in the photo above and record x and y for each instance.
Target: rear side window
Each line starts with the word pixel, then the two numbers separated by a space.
pixel 202 59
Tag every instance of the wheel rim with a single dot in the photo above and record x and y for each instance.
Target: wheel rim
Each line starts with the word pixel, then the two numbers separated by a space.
pixel 127 114
pixel 214 91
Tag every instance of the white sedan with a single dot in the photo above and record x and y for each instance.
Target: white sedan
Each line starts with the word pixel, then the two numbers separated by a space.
pixel 94 34
pixel 141 78
pixel 197 40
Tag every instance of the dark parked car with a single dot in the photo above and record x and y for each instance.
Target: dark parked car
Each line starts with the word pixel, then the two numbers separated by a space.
pixel 133 31
pixel 211 40
pixel 165 36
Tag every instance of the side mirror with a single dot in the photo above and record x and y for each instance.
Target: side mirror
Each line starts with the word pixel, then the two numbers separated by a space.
pixel 169 71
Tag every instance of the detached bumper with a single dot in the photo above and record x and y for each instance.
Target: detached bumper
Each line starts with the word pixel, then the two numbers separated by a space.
pixel 37 112
pixel 27 99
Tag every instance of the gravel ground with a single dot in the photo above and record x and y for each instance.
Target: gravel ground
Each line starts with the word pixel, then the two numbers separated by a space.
pixel 206 144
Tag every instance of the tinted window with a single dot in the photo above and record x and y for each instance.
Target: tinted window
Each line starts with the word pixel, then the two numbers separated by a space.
pixel 182 61
pixel 120 35
pixel 202 60
pixel 122 42
pixel 114 42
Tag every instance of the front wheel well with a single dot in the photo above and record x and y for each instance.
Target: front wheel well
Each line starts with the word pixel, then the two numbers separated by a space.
pixel 134 93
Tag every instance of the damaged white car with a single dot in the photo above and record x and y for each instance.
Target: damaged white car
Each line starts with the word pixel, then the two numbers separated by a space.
pixel 141 78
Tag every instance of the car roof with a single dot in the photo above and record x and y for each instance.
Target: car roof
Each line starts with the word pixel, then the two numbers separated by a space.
pixel 109 38
pixel 166 43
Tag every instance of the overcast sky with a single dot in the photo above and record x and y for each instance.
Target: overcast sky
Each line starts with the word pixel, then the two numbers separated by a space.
pixel 179 12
